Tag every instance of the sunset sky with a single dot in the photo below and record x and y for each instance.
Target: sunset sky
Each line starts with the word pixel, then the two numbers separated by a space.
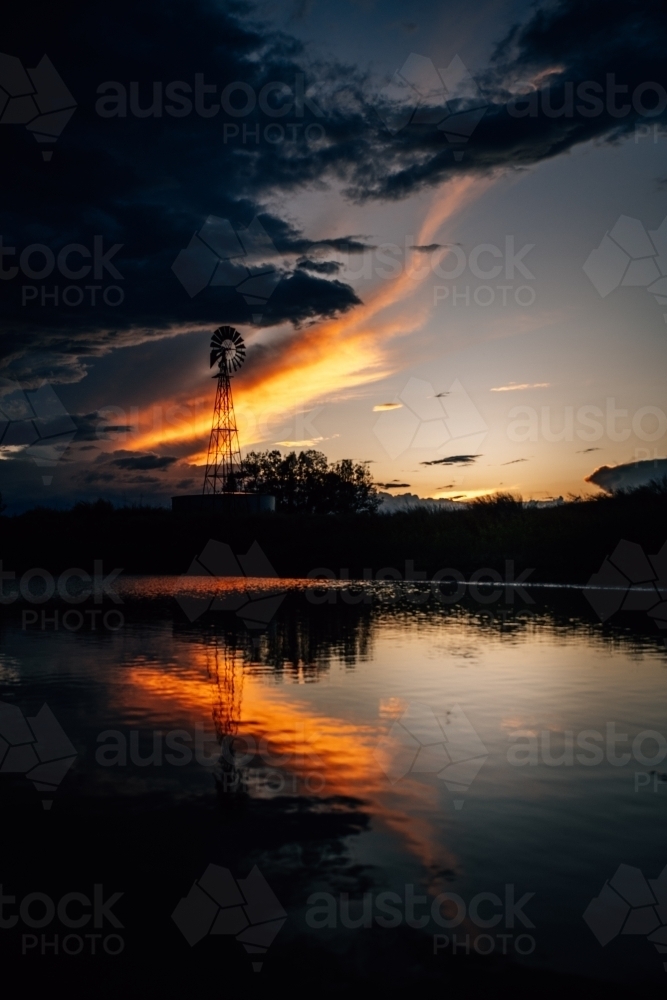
pixel 432 301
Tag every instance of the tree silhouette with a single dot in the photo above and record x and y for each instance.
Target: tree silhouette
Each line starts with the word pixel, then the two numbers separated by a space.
pixel 307 482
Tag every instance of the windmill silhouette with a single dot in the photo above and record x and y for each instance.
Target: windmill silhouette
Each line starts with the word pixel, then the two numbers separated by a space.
pixel 223 490
pixel 223 461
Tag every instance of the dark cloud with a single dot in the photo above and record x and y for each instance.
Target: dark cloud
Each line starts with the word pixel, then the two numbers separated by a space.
pixel 393 486
pixel 432 246
pixel 143 185
pixel 627 476
pixel 97 477
pixel 302 297
pixel 454 460
pixel 93 427
pixel 564 46
pixel 342 244
pixel 320 266
pixel 146 182
pixel 585 451
pixel 85 472
pixel 514 461
pixel 144 462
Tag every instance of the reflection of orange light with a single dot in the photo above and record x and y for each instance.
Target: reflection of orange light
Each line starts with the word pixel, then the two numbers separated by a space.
pixel 343 352
pixel 336 755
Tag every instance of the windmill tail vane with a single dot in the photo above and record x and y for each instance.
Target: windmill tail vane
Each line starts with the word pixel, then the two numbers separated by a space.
pixel 223 461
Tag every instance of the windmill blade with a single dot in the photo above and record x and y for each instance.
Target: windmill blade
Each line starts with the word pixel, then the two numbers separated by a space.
pixel 239 357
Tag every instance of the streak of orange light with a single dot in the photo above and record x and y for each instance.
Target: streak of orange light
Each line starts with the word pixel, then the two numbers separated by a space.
pixel 344 352
pixel 340 752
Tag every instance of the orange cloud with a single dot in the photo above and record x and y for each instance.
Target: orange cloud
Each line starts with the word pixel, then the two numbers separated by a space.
pixel 513 387
pixel 330 355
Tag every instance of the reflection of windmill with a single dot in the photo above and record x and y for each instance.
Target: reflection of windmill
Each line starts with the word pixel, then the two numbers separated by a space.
pixel 224 454
pixel 228 695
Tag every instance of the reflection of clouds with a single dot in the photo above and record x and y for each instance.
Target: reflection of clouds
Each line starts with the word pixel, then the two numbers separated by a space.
pixel 311 742
pixel 530 726
pixel 392 708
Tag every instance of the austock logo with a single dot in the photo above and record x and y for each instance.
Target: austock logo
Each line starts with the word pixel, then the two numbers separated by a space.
pixel 36 98
pixel 35 422
pixel 256 606
pixel 38 261
pixel 447 910
pixel 38 910
pixel 36 747
pixel 631 904
pixel 420 743
pixel 246 908
pixel 630 256
pixel 629 580
pixel 422 418
pixel 420 94
pixel 220 257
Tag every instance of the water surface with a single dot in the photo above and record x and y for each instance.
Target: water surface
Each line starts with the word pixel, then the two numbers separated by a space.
pixel 355 742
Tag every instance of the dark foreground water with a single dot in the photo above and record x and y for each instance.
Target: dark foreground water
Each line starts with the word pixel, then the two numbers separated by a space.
pixel 368 790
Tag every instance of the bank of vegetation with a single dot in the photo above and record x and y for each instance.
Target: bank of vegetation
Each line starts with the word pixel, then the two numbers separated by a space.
pixel 564 543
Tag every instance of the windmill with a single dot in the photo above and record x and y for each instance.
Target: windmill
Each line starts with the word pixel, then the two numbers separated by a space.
pixel 224 454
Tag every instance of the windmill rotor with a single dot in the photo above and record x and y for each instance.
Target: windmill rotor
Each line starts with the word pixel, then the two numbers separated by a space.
pixel 227 349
